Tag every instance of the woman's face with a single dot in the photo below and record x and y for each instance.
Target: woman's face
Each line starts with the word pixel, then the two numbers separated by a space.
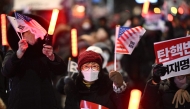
pixel 90 65
pixel 30 38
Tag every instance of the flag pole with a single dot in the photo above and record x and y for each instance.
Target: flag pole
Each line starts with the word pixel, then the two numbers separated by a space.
pixel 69 63
pixel 20 36
pixel 116 36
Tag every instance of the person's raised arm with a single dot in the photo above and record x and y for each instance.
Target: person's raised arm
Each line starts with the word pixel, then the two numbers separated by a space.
pixel 151 94
pixel 118 83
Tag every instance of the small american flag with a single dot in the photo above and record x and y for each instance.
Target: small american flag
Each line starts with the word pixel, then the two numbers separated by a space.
pixel 119 47
pixel 14 23
pixel 128 38
pixel 28 23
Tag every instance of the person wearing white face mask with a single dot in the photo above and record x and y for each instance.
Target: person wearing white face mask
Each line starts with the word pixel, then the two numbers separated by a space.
pixel 92 85
pixel 173 93
pixel 90 71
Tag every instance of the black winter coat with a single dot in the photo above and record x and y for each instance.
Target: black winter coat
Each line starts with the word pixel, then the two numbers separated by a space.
pixel 101 92
pixel 160 96
pixel 31 85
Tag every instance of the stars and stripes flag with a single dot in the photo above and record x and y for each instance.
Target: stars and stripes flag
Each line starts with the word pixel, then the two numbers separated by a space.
pixel 14 23
pixel 127 39
pixel 26 23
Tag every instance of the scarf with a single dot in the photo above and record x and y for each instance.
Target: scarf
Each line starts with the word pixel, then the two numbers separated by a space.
pixel 181 95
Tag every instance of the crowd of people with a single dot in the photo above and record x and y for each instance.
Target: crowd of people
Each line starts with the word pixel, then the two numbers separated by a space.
pixel 34 74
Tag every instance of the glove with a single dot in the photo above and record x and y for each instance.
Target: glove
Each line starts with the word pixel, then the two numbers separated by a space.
pixel 158 70
pixel 48 39
pixel 116 77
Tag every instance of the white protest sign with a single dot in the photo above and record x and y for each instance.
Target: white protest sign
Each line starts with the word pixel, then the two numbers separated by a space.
pixel 175 55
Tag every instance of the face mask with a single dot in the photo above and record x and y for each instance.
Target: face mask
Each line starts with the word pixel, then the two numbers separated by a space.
pixel 180 81
pixel 90 75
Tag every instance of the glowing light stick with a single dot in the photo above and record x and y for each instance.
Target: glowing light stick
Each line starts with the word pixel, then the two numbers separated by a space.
pixel 3 30
pixel 52 25
pixel 53 21
pixel 145 7
pixel 74 47
pixel 135 97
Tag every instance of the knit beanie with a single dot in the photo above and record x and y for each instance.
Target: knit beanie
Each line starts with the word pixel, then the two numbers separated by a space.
pixel 95 49
pixel 89 56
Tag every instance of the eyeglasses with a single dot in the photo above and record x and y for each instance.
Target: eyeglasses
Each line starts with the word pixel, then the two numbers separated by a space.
pixel 93 66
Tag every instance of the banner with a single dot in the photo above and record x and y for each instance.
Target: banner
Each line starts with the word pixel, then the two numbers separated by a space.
pixel 90 105
pixel 175 55
pixel 37 4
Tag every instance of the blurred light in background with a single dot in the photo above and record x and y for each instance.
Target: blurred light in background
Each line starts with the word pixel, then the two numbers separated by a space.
pixel 145 7
pixel 170 17
pixel 78 11
pixel 135 97
pixel 3 30
pixel 74 47
pixel 142 1
pixel 174 10
pixel 180 10
pixel 157 10
pixel 137 10
pixel 80 8
pixel 96 1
